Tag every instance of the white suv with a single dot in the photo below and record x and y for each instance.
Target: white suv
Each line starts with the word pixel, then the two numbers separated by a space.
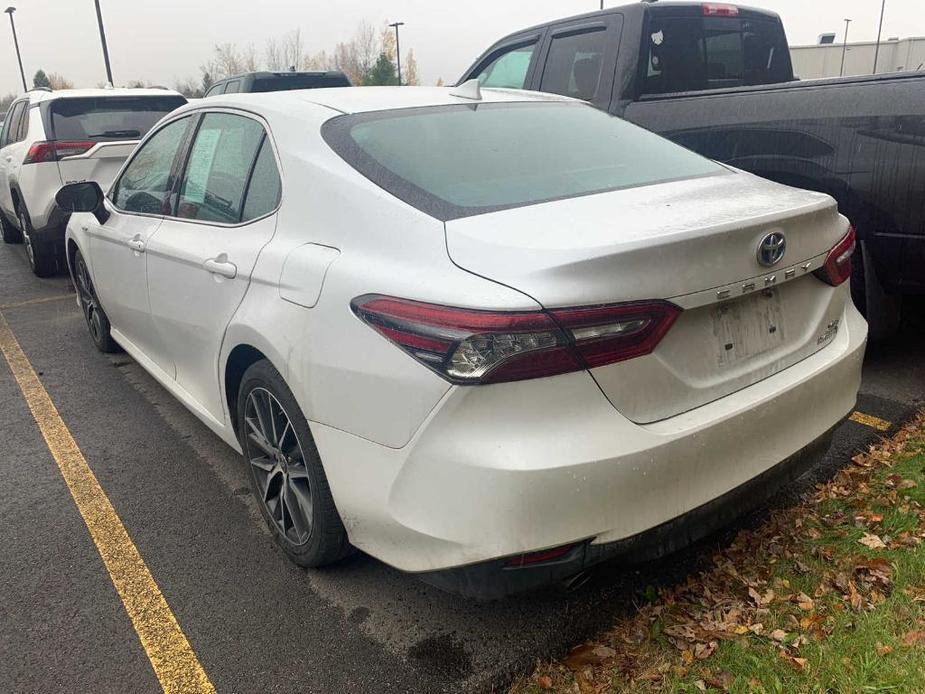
pixel 53 138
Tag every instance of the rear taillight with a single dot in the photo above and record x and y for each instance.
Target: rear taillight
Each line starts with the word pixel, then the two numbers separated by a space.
pixel 837 266
pixel 713 10
pixel 469 347
pixel 46 151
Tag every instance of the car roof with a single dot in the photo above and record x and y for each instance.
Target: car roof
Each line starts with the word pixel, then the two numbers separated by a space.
pixel 365 99
pixel 39 95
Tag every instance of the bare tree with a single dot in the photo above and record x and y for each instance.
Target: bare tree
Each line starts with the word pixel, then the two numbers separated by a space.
pixel 273 55
pixel 410 69
pixel 5 102
pixel 293 49
pixel 56 81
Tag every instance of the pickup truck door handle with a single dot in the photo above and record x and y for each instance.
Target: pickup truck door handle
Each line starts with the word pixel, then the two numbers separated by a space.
pixel 220 265
pixel 136 244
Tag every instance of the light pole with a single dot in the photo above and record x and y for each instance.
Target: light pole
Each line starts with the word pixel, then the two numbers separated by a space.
pixel 397 49
pixel 844 49
pixel 99 21
pixel 879 31
pixel 22 73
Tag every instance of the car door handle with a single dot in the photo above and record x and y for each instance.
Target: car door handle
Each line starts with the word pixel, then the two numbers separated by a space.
pixel 136 244
pixel 221 266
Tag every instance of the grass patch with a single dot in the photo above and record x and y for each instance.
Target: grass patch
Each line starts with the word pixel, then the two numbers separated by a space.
pixel 828 596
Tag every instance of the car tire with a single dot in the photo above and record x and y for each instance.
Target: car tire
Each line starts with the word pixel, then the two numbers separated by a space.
pixel 286 475
pixel 42 259
pixel 97 321
pixel 10 233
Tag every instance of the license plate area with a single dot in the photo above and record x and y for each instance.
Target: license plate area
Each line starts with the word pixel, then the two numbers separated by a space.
pixel 748 326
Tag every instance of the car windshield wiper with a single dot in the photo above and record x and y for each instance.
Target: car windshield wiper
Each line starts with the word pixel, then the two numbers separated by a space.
pixel 117 133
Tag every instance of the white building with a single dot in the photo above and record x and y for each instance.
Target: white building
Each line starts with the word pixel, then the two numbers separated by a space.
pixel 810 62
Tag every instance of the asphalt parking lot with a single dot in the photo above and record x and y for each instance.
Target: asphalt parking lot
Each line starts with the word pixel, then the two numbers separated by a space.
pixel 255 622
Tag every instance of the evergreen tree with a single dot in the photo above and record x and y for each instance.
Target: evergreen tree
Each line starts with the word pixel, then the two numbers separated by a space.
pixel 381 73
pixel 41 80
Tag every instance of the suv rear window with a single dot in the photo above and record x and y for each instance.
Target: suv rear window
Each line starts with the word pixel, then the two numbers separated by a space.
pixel 457 161
pixel 110 117
pixel 281 83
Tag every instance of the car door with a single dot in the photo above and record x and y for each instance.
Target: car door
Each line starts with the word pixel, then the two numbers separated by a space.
pixel 200 259
pixel 8 140
pixel 137 203
pixel 577 59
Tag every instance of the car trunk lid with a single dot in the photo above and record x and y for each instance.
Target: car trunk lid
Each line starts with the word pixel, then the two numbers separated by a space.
pixel 693 242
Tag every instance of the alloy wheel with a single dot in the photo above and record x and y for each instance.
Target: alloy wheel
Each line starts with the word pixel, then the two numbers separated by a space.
pixel 278 464
pixel 24 229
pixel 88 301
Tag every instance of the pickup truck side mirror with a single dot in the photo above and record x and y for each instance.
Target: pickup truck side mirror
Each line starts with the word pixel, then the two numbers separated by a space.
pixel 83 197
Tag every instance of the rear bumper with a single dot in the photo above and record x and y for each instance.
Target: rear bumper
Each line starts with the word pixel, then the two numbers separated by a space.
pixel 497 578
pixel 503 470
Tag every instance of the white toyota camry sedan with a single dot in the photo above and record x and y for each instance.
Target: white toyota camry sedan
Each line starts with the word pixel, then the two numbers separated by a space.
pixel 487 337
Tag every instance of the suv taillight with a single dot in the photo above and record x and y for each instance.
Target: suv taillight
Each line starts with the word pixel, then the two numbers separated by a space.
pixel 468 346
pixel 45 151
pixel 837 266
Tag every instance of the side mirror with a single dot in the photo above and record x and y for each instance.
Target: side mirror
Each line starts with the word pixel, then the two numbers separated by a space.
pixel 83 197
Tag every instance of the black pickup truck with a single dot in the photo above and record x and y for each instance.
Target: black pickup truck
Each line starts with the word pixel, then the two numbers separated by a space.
pixel 718 79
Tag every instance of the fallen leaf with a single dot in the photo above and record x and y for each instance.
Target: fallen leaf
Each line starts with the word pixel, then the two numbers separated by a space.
pixel 722 681
pixel 872 541
pixel 804 602
pixel 914 638
pixel 799 664
pixel 756 628
pixel 778 634
pixel 544 682
pixel 884 650
pixel 588 654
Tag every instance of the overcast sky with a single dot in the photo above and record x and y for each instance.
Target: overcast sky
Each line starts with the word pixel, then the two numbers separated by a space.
pixel 162 41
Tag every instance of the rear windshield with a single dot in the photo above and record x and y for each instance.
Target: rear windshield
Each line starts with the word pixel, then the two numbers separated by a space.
pixel 457 161
pixel 282 83
pixel 109 118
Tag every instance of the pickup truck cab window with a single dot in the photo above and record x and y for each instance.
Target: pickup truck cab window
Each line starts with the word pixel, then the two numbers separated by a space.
pixel 685 53
pixel 508 69
pixel 574 64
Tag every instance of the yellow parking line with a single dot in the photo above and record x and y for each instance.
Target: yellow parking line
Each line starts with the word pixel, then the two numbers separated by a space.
pixel 171 655
pixel 869 420
pixel 43 300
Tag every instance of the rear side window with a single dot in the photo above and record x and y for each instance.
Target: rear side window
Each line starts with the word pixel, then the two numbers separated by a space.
pixel 109 118
pixel 456 161
pixel 12 123
pixel 694 53
pixel 574 64
pixel 219 168
pixel 263 191
pixel 148 180
pixel 508 70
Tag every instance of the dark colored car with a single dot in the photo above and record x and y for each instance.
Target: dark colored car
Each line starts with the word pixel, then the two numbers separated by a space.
pixel 719 80
pixel 278 82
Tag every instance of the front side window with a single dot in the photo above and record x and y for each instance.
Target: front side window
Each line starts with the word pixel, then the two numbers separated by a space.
pixel 147 181
pixel 217 89
pixel 219 168
pixel 573 67
pixel 508 70
pixel 233 87
pixel 456 161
